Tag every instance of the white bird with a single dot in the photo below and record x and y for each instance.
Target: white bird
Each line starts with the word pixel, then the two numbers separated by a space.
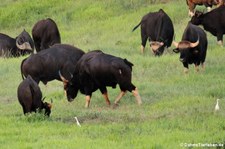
pixel 217 105
pixel 78 124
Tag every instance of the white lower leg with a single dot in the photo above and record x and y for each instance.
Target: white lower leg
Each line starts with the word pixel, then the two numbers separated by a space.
pixel 137 96
pixel 105 95
pixel 122 93
pixel 191 14
pixel 203 66
pixel 88 99
pixel 220 42
pixel 208 9
pixel 196 68
pixel 185 70
pixel 142 49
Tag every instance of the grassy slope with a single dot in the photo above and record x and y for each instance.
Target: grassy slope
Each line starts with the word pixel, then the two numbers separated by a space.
pixel 176 108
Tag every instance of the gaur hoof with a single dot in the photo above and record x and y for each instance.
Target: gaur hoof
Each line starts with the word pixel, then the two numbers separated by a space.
pixel 115 105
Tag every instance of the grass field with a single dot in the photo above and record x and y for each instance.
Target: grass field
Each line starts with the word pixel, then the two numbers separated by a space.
pixel 177 109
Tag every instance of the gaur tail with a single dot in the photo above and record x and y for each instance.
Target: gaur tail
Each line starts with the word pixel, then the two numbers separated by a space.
pixel 21 71
pixel 136 27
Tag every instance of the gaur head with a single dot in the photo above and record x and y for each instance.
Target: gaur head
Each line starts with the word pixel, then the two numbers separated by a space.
pixel 70 87
pixel 197 18
pixel 157 47
pixel 71 92
pixel 47 107
pixel 186 48
pixel 25 43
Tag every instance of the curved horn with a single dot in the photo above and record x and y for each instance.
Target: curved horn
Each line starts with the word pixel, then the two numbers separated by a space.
pixel 62 78
pixel 195 44
pixel 43 99
pixel 175 44
pixel 24 46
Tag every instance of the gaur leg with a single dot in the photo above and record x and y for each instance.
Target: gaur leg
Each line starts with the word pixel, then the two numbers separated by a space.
pixel 185 68
pixel 37 44
pixel 220 38
pixel 26 109
pixel 105 95
pixel 35 78
pixel 208 6
pixel 196 68
pixel 209 9
pixel 65 84
pixel 191 9
pixel 144 38
pixel 137 96
pixel 88 99
pixel 203 66
pixel 122 93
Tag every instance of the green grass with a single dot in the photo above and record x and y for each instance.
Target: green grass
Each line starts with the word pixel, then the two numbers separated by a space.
pixel 177 108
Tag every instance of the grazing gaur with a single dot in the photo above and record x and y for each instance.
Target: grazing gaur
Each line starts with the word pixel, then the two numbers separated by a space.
pixel 192 47
pixel 158 28
pixel 30 97
pixel 13 47
pixel 208 3
pixel 47 64
pixel 97 70
pixel 213 22
pixel 45 34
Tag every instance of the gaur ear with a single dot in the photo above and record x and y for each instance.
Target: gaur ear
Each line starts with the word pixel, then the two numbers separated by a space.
pixel 49 105
pixel 128 63
pixel 176 50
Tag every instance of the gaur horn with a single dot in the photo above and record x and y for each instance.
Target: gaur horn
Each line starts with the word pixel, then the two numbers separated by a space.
pixel 43 99
pixel 195 44
pixel 24 46
pixel 62 78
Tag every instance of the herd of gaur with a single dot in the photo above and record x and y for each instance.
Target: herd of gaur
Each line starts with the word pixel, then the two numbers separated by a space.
pixel 88 72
